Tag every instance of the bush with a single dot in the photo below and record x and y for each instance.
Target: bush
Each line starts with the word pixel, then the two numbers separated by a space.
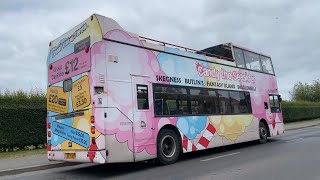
pixel 22 126
pixel 300 110
pixel 306 92
pixel 16 99
pixel 22 119
pixel 299 103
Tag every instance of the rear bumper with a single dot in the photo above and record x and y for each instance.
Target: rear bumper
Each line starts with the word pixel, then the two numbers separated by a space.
pixel 98 157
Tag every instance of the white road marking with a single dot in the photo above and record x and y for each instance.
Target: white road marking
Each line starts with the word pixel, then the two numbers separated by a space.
pixel 220 156
pixel 292 140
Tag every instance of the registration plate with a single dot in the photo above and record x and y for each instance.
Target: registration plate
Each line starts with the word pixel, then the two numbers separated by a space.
pixel 70 155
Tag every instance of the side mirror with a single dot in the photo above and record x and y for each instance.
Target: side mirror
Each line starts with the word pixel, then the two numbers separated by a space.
pixel 280 99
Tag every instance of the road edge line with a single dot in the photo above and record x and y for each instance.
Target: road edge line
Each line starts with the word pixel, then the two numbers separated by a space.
pixel 8 172
pixel 302 127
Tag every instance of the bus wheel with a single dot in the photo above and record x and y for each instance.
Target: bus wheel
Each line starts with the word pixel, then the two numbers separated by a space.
pixel 263 132
pixel 168 146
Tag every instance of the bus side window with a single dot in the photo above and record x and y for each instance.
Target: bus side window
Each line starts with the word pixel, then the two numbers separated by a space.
pixel 224 102
pixel 142 97
pixel 274 104
pixel 252 61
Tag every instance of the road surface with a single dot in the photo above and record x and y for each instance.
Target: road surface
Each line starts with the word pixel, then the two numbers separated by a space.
pixel 293 156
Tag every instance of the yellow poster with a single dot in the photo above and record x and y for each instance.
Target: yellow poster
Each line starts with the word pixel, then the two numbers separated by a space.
pixel 81 93
pixel 57 100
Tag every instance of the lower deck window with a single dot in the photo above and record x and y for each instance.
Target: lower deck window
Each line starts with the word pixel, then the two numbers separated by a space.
pixel 224 101
pixel 172 100
pixel 142 96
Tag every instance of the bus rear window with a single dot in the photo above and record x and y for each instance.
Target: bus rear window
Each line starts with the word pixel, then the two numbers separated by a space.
pixel 67 85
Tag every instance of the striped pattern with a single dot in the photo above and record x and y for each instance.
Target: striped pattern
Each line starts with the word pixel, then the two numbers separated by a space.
pixel 203 141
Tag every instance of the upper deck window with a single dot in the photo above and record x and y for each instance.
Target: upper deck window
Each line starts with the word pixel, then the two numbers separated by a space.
pixel 238 54
pixel 252 61
pixel 266 65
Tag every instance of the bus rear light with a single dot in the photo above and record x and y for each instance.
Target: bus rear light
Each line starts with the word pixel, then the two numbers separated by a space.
pixel 92 119
pixel 93 130
pixel 49 133
pixel 86 49
pixel 93 140
pixel 50 67
pixel 49 125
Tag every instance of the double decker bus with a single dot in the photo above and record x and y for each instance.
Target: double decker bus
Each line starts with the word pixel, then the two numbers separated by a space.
pixel 114 96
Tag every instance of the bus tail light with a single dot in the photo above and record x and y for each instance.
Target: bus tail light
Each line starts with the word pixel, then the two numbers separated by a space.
pixel 49 125
pixel 93 130
pixel 49 133
pixel 86 49
pixel 93 140
pixel 92 119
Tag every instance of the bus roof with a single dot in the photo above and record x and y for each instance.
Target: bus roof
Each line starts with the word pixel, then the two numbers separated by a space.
pixel 206 52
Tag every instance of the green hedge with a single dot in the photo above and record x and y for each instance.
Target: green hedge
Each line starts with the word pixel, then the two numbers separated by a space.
pixel 22 119
pixel 291 114
pixel 21 127
pixel 300 110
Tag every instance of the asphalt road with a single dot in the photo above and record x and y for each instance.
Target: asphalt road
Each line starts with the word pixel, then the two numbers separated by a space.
pixel 295 155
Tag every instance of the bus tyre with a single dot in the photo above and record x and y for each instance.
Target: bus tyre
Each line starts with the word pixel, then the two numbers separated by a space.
pixel 168 147
pixel 263 133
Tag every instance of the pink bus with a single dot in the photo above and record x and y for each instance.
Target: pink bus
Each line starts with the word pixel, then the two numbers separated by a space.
pixel 114 96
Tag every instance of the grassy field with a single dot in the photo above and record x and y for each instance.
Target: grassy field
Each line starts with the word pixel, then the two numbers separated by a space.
pixel 21 153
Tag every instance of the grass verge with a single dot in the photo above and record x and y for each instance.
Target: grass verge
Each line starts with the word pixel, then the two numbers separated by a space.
pixel 21 153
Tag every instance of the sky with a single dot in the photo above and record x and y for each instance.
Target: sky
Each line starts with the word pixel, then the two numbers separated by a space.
pixel 286 30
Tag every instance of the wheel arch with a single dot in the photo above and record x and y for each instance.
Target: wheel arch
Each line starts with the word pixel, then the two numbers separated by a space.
pixel 266 124
pixel 171 127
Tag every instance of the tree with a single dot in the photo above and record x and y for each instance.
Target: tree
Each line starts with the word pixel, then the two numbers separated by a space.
pixel 306 92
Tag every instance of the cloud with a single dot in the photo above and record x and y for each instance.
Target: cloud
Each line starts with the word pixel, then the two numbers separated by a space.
pixel 285 30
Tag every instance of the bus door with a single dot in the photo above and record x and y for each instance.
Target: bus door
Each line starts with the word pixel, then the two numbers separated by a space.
pixel 274 112
pixel 142 112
